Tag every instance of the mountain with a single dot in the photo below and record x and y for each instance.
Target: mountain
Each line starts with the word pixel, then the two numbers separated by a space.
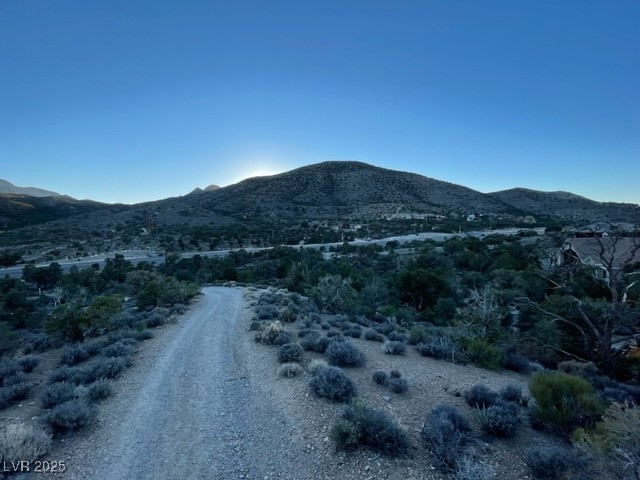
pixel 18 210
pixel 344 189
pixel 567 206
pixel 8 187
pixel 328 190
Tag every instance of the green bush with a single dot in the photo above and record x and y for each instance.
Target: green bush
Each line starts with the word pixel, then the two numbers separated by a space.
pixel 360 425
pixel 485 355
pixel 564 402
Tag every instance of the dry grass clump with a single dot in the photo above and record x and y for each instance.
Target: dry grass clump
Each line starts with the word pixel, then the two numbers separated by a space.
pixel 20 441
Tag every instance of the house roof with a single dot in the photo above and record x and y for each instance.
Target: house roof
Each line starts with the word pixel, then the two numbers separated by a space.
pixel 617 251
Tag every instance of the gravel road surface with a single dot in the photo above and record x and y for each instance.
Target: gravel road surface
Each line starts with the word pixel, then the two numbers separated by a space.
pixel 189 409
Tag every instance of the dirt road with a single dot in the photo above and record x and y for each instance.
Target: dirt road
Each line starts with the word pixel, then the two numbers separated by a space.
pixel 188 409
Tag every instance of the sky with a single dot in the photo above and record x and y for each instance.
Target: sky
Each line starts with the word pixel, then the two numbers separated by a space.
pixel 128 101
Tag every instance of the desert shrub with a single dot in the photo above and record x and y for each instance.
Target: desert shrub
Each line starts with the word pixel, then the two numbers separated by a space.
pixel 380 377
pixel 309 342
pixel 397 385
pixel 12 393
pixel 57 393
pixel 485 355
pixel 37 342
pixel 255 326
pixel 334 334
pixel 353 332
pixel 95 346
pixel 499 420
pixel 270 332
pixel 438 347
pixel 612 394
pixel 550 463
pixel 468 468
pixel 155 319
pixel 344 354
pixel 143 335
pixel 445 431
pixel 28 363
pixel 325 326
pixel 267 312
pixel 119 349
pixel 393 347
pixel 316 364
pixel 289 370
pixel 481 397
pixel 398 337
pixel 512 393
pixel 290 352
pixel 372 335
pixel 8 368
pixel 360 425
pixel 384 328
pixel 304 332
pixel 333 384
pixel 20 441
pixel 91 371
pixel 16 379
pixel 517 363
pixel 314 317
pixel 287 315
pixel 74 355
pixel 70 415
pixel 575 367
pixel 564 402
pixel 6 397
pixel 615 441
pixel 98 390
pixel 107 368
pixel 322 343
pixel 395 374
pixel 179 308
pixel 282 338
pixel 123 320
pixel 418 334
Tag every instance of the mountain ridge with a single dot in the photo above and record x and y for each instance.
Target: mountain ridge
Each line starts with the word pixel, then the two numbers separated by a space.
pixel 8 187
pixel 326 190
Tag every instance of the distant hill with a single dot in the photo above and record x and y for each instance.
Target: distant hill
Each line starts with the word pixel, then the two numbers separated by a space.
pixel 341 188
pixel 8 187
pixel 568 206
pixel 18 210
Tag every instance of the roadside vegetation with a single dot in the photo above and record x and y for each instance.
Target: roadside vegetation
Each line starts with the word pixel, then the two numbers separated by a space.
pixel 485 301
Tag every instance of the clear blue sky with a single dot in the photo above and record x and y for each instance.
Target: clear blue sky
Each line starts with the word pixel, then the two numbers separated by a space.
pixel 126 100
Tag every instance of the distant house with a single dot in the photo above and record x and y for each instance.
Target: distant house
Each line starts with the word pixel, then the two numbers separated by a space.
pixel 606 254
